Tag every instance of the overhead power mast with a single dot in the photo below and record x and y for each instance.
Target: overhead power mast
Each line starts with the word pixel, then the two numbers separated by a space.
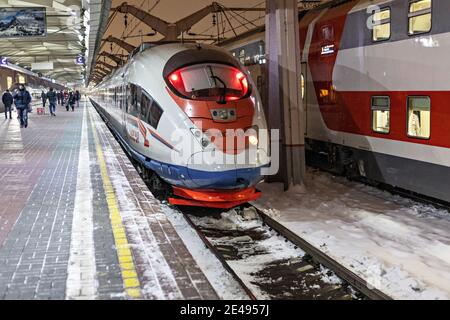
pixel 285 108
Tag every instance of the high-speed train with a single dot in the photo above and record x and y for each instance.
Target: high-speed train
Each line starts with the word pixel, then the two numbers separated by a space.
pixel 176 107
pixel 376 90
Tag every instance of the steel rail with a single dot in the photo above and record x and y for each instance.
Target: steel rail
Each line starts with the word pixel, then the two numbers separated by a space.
pixel 219 256
pixel 353 279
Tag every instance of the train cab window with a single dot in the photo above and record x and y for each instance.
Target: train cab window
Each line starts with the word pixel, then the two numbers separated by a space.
pixel 210 82
pixel 419 110
pixel 381 112
pixel 328 33
pixel 381 25
pixel 154 115
pixel 419 16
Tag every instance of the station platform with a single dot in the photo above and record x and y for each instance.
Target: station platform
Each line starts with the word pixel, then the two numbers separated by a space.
pixel 77 221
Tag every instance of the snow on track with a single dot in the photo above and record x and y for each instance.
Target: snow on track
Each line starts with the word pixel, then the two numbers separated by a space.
pixel 399 246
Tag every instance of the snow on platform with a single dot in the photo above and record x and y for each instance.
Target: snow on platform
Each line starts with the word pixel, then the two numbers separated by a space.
pixel 399 246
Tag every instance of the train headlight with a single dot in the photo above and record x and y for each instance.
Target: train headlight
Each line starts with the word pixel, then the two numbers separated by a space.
pixel 201 138
pixel 197 133
pixel 205 142
pixel 253 139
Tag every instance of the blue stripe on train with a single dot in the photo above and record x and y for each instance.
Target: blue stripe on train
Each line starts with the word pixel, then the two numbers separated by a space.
pixel 198 179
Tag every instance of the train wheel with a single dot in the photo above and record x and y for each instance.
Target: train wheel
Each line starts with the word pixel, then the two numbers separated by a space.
pixel 160 189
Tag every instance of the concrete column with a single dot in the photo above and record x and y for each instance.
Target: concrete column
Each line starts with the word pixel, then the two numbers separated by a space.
pixel 285 109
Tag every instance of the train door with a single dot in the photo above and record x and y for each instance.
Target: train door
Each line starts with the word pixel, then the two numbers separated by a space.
pixel 304 92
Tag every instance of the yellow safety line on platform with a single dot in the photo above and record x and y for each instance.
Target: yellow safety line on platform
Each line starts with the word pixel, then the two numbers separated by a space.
pixel 127 267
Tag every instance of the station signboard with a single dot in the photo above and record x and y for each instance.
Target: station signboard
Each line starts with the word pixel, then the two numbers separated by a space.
pixel 22 22
pixel 80 60
pixel 3 61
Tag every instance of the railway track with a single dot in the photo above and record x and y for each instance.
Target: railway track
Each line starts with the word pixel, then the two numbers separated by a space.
pixel 270 262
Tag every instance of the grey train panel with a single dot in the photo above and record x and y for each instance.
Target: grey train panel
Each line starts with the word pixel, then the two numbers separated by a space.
pixel 399 24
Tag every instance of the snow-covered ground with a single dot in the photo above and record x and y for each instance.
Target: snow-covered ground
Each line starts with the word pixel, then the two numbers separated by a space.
pixel 398 245
pixel 223 282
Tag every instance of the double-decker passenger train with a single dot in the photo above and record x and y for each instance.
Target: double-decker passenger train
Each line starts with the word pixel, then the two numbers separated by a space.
pixel 168 92
pixel 376 91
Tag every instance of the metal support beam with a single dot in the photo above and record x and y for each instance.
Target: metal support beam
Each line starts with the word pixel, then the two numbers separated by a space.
pixel 285 107
pixel 156 23
pixel 106 65
pixel 125 45
pixel 171 31
pixel 101 69
pixel 114 57
pixel 99 73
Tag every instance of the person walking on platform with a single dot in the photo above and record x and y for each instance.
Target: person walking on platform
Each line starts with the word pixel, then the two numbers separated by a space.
pixel 70 101
pixel 44 98
pixel 7 100
pixel 22 100
pixel 59 96
pixel 52 98
pixel 77 98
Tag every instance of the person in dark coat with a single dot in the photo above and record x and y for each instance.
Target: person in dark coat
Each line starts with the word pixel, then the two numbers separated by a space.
pixel 7 100
pixel 77 98
pixel 59 96
pixel 22 100
pixel 71 101
pixel 52 99
pixel 44 98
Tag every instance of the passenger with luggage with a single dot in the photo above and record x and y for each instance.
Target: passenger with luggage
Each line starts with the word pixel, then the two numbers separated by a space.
pixel 44 98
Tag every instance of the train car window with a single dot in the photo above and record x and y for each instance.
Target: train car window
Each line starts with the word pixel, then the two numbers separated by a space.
pixel 419 17
pixel 9 82
pixel 126 98
pixel 381 112
pixel 130 95
pixel 381 25
pixel 419 117
pixel 328 33
pixel 210 82
pixel 146 102
pixel 155 114
pixel 242 56
pixel 21 79
pixel 302 85
pixel 134 101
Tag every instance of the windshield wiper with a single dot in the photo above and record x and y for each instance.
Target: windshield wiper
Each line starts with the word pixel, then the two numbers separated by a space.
pixel 223 96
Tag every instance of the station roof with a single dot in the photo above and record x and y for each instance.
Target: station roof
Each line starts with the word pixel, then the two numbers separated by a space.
pixel 229 23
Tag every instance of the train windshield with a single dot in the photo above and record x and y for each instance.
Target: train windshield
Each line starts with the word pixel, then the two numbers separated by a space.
pixel 210 82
